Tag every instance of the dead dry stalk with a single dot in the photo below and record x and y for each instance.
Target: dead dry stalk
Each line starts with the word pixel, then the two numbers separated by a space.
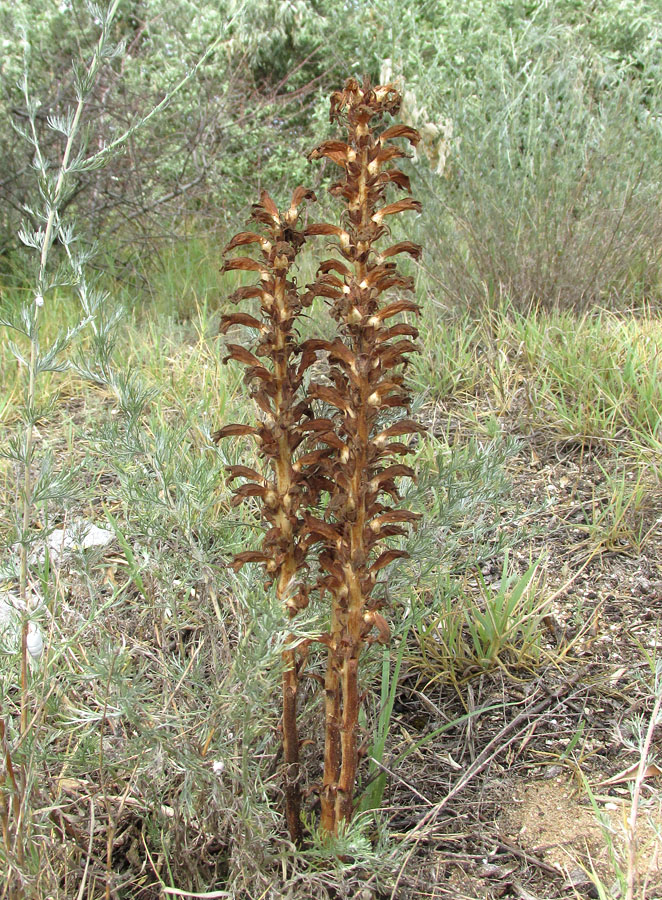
pixel 11 811
pixel 631 830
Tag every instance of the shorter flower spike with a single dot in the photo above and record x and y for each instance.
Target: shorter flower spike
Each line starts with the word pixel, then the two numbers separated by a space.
pixel 288 485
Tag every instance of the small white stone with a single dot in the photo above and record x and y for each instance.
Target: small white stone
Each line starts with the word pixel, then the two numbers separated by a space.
pixel 34 641
pixel 79 536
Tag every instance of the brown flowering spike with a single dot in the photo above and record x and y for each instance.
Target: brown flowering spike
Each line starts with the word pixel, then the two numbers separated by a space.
pixel 288 485
pixel 366 376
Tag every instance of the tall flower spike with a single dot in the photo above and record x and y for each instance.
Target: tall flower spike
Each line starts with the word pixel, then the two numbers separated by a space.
pixel 288 485
pixel 367 362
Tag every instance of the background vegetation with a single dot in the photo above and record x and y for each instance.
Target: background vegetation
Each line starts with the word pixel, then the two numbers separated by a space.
pixel 541 121
pixel 149 765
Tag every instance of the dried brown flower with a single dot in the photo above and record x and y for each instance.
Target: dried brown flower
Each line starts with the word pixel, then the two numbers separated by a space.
pixel 367 362
pixel 276 377
pixel 332 478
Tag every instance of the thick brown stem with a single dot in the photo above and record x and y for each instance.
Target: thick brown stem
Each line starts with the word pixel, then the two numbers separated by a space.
pixel 290 682
pixel 352 638
pixel 340 775
pixel 349 734
pixel 332 741
pixel 284 483
pixel 278 395
pixel 290 674
pixel 291 744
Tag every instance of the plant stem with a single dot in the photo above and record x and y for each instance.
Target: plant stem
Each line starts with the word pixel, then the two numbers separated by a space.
pixel 286 486
pixel 354 624
pixel 636 793
pixel 360 345
pixel 365 384
pixel 13 785
pixel 46 244
pixel 291 744
pixel 290 687
pixel 280 435
pixel 332 713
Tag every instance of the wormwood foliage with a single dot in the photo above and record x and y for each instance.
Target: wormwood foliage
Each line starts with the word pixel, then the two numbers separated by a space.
pixel 332 448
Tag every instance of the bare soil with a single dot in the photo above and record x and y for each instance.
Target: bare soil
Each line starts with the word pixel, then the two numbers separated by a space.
pixel 524 826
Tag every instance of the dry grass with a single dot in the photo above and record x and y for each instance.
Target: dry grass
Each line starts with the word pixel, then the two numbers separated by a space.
pixel 152 763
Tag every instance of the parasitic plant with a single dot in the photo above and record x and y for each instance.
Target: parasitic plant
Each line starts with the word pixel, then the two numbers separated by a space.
pixel 333 476
pixel 367 360
pixel 276 391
